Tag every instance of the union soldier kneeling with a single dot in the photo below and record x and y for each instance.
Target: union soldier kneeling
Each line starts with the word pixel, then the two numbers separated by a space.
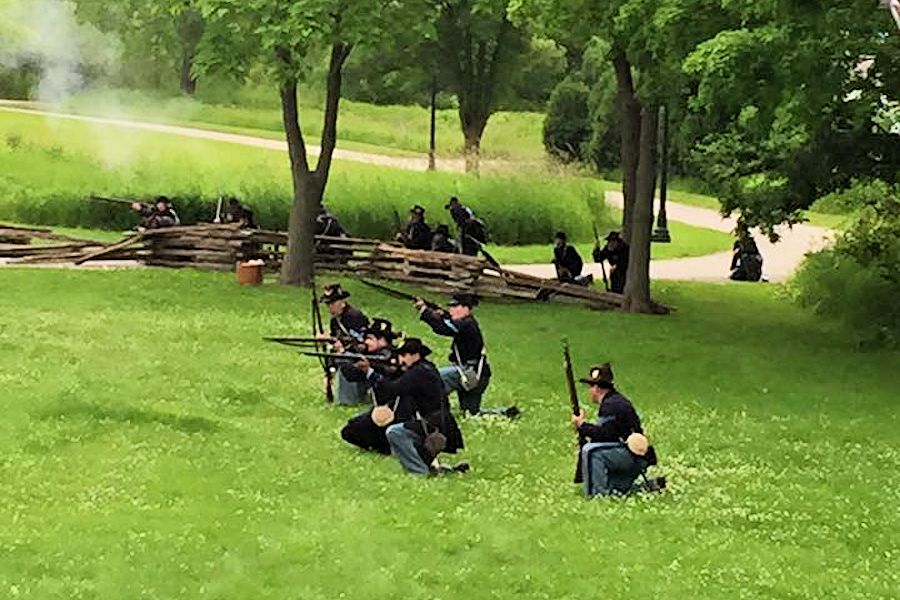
pixel 429 428
pixel 616 451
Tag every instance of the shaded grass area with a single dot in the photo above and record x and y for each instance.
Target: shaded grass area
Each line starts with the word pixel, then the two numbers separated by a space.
pixel 86 159
pixel 170 453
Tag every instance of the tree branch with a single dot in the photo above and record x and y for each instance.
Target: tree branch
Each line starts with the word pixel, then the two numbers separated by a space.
pixel 339 53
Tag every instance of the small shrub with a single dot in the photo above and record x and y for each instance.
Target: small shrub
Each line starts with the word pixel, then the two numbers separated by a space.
pixel 567 127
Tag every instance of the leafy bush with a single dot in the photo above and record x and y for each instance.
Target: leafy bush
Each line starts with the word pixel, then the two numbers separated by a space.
pixel 858 280
pixel 567 127
pixel 858 195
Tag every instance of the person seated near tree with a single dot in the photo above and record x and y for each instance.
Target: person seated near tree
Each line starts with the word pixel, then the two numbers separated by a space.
pixel 747 262
pixel 616 451
pixel 568 262
pixel 426 426
pixel 616 253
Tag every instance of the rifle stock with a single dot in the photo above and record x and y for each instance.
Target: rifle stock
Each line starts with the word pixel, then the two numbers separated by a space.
pixel 573 402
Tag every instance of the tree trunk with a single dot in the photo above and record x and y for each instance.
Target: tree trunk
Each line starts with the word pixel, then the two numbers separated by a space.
pixel 630 119
pixel 188 80
pixel 473 128
pixel 637 287
pixel 297 268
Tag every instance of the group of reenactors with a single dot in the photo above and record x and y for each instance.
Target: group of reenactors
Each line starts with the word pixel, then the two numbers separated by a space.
pixel 470 231
pixel 569 264
pixel 409 415
pixel 161 213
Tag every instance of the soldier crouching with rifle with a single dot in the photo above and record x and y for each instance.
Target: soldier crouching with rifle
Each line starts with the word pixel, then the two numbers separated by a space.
pixel 423 425
pixel 347 323
pixel 469 372
pixel 367 429
pixel 615 451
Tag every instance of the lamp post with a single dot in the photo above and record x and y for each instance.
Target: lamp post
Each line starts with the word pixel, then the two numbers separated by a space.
pixel 432 142
pixel 661 233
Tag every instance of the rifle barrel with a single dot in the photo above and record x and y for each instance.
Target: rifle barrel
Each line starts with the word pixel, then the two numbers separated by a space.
pixel 111 200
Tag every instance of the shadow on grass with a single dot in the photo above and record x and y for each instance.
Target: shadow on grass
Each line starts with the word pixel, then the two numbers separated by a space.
pixel 131 415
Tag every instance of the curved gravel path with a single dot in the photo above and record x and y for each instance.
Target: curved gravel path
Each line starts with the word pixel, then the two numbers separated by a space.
pixel 781 259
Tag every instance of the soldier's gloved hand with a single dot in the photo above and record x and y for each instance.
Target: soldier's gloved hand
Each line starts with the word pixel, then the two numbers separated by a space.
pixel 578 420
pixel 337 346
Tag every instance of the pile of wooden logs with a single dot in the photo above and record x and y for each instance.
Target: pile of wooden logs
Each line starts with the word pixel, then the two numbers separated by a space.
pixel 220 247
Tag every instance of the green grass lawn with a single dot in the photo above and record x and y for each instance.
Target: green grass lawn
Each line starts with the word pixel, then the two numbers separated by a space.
pixel 365 127
pixel 687 241
pixel 152 446
pixel 48 167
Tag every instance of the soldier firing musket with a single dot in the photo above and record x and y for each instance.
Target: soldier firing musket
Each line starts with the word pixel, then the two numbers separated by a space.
pixel 158 215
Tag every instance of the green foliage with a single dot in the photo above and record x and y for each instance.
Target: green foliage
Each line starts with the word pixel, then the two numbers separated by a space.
pixel 567 125
pixel 858 280
pixel 847 201
pixel 106 160
pixel 170 453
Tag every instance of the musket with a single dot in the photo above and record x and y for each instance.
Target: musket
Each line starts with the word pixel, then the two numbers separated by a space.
pixel 372 358
pixel 111 200
pixel 398 223
pixel 602 266
pixel 319 329
pixel 487 255
pixel 218 218
pixel 573 401
pixel 402 295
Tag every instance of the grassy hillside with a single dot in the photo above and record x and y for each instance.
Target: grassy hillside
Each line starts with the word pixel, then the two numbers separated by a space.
pixel 153 446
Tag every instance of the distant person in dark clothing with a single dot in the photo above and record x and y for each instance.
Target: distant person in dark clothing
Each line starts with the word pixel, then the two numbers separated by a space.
pixel 747 262
pixel 418 234
pixel 568 262
pixel 158 215
pixel 441 242
pixel 328 225
pixel 616 253
pixel 470 229
pixel 238 213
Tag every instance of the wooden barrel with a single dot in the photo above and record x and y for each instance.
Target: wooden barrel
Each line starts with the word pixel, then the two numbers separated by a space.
pixel 249 273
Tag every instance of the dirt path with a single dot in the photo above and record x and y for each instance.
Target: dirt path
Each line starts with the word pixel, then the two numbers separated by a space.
pixel 781 259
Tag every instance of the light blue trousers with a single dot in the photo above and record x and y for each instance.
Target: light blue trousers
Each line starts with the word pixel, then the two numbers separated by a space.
pixel 608 468
pixel 405 446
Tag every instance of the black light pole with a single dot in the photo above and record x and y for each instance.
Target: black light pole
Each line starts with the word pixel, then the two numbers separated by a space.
pixel 661 233
pixel 432 141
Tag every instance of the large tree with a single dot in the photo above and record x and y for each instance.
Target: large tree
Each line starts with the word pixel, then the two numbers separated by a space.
pixel 288 37
pixel 479 46
pixel 790 102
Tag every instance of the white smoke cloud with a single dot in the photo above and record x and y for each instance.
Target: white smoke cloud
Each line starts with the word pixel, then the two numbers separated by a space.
pixel 46 34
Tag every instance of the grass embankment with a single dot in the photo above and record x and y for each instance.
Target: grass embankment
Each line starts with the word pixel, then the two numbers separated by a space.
pixel 153 446
pixel 365 127
pixel 51 165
